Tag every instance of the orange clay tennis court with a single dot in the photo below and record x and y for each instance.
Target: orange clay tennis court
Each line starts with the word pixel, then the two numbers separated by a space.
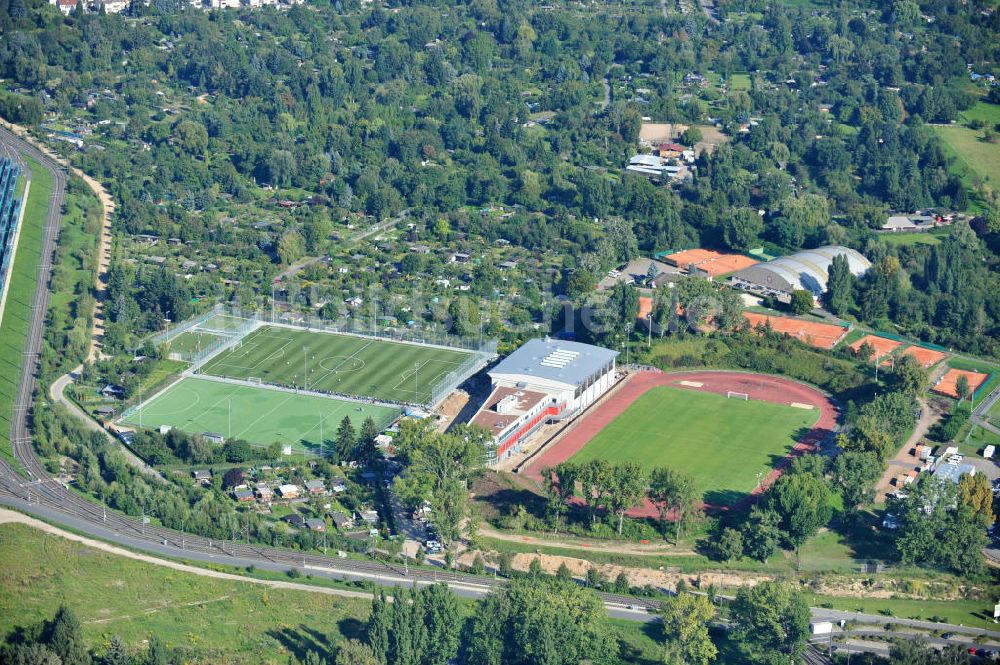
pixel 949 382
pixel 926 357
pixel 710 261
pixel 880 346
pixel 820 335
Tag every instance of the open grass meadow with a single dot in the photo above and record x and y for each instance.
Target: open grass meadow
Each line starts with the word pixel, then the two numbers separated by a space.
pixel 258 415
pixel 334 363
pixel 23 277
pixel 973 155
pixel 722 443
pixel 215 621
pixel 899 239
pixel 208 620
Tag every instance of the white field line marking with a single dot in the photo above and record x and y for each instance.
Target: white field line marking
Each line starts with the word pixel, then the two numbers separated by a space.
pixel 166 414
pixel 264 415
pixel 341 364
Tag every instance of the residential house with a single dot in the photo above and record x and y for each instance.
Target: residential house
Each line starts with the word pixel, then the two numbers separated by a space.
pixel 289 491
pixel 243 495
pixel 294 519
pixel 104 412
pixel 316 524
pixel 202 476
pixel 265 493
pixel 316 486
pixel 369 516
pixel 341 520
pixel 112 391
pixel 339 485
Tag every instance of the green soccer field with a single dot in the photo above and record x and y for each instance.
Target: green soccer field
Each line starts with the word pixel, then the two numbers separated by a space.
pixel 722 443
pixel 258 415
pixel 193 341
pixel 338 363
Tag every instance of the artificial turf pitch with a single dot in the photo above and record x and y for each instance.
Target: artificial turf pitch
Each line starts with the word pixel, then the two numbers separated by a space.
pixel 192 341
pixel 258 415
pixel 722 443
pixel 335 363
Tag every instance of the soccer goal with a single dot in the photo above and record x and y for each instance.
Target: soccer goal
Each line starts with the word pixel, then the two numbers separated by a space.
pixel 735 395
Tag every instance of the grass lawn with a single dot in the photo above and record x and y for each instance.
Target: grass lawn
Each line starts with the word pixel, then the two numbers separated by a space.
pixel 259 415
pixel 722 443
pixel 973 156
pixel 191 341
pixel 210 620
pixel 214 620
pixel 978 439
pixel 899 239
pixel 339 363
pixel 17 311
pixel 739 81
pixel 988 114
pixel 967 612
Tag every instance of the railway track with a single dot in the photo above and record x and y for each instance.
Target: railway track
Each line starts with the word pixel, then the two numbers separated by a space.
pixel 33 490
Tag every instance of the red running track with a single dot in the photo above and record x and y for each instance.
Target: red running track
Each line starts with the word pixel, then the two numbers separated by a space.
pixel 758 386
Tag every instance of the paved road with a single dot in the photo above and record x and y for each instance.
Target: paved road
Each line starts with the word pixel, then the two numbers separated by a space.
pixel 981 414
pixel 57 391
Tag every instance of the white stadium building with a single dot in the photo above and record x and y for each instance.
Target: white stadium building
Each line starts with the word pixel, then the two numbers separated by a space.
pixel 542 381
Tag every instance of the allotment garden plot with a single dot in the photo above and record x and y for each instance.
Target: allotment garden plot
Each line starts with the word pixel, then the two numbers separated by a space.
pixel 258 415
pixel 339 364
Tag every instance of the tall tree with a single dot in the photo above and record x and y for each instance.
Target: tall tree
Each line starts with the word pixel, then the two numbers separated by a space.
pixel 770 623
pixel 345 439
pixel 560 488
pixel 627 484
pixel 541 621
pixel 674 495
pixel 908 376
pixel 976 493
pixel 353 652
pixel 366 447
pixel 685 624
pixel 64 637
pixel 378 626
pixel 839 296
pixel 803 502
pixel 856 474
pixel 117 653
pixel 761 534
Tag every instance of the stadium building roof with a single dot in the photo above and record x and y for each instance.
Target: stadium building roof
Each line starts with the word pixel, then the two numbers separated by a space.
pixel 808 269
pixel 555 360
